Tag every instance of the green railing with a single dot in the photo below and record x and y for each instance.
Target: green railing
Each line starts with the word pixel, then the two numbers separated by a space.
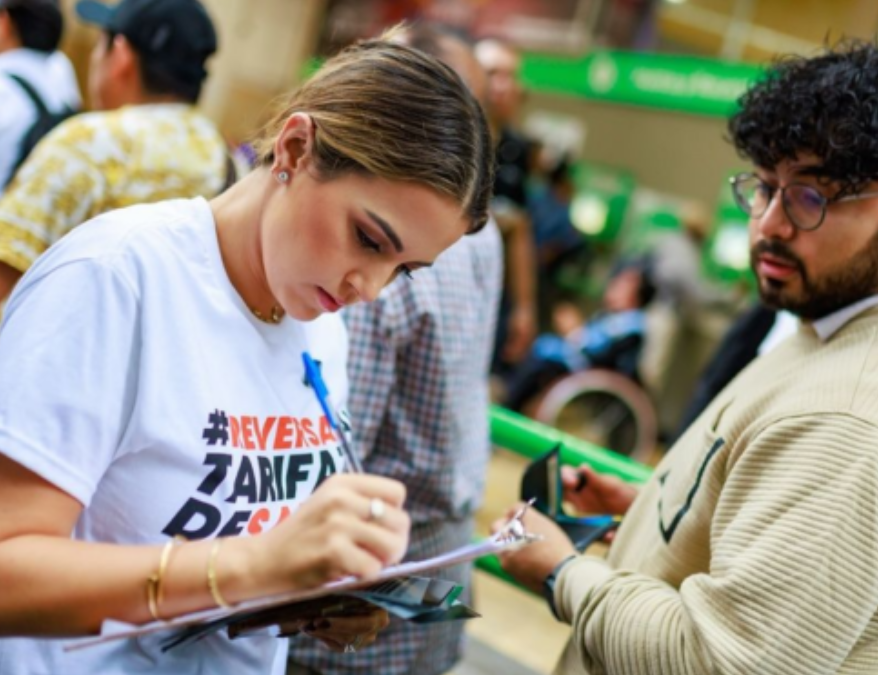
pixel 530 439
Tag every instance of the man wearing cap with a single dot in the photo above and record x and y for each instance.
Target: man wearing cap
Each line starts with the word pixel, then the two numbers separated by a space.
pixel 30 31
pixel 517 323
pixel 147 142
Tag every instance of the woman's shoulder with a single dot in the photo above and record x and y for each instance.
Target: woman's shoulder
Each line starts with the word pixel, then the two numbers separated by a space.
pixel 127 237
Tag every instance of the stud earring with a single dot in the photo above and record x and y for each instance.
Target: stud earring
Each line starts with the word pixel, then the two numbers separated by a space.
pixel 283 176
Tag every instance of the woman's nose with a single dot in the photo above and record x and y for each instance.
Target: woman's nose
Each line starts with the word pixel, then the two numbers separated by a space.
pixel 367 284
pixel 370 289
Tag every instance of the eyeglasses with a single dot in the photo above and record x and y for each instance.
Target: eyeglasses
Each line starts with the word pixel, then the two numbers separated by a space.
pixel 803 204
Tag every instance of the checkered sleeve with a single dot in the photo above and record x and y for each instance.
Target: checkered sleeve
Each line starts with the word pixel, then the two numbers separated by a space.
pixel 375 332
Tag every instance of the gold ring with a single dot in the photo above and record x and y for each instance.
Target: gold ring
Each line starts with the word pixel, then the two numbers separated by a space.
pixel 376 509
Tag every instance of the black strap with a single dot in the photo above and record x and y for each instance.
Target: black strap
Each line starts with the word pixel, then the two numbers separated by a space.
pixel 31 93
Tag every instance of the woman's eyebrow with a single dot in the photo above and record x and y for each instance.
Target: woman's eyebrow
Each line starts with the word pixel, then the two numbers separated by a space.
pixel 389 232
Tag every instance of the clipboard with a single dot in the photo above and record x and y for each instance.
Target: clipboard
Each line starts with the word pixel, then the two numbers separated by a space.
pixel 541 483
pixel 398 589
pixel 415 599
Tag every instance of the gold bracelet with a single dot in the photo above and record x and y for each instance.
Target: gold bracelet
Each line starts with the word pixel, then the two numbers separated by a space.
pixel 154 586
pixel 212 584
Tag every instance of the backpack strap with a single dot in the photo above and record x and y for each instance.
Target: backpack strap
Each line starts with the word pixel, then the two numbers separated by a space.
pixel 32 94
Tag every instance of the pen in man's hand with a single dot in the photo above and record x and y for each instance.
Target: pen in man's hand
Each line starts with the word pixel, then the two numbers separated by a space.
pixel 315 378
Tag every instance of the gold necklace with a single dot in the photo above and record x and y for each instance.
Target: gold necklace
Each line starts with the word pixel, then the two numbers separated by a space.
pixel 276 316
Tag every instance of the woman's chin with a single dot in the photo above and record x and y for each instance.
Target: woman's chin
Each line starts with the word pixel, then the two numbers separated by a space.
pixel 305 312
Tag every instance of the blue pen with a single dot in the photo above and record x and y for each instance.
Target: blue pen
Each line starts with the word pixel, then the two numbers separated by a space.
pixel 315 378
pixel 598 521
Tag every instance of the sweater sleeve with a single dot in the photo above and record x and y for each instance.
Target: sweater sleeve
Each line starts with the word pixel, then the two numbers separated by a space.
pixel 791 589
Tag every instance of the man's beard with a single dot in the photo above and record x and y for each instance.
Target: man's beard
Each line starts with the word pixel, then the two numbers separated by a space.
pixel 856 279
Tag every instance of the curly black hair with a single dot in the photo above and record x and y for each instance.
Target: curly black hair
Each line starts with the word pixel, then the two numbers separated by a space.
pixel 825 105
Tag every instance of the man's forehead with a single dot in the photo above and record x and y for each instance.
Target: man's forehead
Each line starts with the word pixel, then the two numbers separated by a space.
pixel 801 165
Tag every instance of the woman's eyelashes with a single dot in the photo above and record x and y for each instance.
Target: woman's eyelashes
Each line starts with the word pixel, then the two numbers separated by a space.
pixel 366 241
pixel 371 245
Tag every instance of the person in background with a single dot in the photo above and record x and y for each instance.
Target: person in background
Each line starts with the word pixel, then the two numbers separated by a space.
pixel 678 260
pixel 612 338
pixel 30 32
pixel 418 364
pixel 147 143
pixel 152 385
pixel 517 322
pixel 752 547
pixel 556 238
pixel 562 251
pixel 691 312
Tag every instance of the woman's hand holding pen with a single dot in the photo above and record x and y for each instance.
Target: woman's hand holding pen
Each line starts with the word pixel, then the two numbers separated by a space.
pixel 590 492
pixel 353 525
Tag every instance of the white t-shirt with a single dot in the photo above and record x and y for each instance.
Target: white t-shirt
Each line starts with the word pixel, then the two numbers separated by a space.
pixel 53 78
pixel 133 377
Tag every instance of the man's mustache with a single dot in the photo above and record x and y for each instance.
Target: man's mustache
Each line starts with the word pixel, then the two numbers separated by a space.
pixel 777 250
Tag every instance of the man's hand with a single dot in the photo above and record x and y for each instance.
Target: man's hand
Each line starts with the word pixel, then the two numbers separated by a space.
pixel 590 492
pixel 532 564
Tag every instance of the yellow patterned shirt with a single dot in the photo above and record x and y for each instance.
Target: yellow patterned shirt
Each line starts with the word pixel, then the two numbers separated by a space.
pixel 107 160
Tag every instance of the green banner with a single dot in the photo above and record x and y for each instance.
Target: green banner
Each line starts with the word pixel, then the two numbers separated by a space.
pixel 681 83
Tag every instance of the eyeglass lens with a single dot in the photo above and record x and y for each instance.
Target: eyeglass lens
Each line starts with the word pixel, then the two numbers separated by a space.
pixel 803 205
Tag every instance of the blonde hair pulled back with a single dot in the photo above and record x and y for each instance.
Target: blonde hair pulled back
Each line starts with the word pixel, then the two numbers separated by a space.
pixel 384 109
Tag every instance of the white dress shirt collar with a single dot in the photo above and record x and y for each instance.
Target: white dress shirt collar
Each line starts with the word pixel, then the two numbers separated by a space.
pixel 829 325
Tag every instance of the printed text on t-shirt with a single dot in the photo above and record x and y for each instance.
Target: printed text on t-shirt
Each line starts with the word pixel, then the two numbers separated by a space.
pixel 260 465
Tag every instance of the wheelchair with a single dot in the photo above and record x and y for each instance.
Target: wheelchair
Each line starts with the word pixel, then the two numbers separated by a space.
pixel 602 407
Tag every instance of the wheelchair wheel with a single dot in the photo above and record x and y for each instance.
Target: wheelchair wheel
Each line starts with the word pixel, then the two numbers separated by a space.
pixel 604 408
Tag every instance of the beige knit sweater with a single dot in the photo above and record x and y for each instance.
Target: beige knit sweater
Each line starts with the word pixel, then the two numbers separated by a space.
pixel 754 548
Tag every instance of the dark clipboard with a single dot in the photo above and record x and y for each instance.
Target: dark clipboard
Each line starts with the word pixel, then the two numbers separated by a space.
pixel 414 599
pixel 542 483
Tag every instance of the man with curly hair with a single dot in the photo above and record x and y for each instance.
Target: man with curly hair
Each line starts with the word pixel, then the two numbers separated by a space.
pixel 753 548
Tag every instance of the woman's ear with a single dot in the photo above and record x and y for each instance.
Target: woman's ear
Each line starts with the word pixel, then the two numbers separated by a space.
pixel 294 144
